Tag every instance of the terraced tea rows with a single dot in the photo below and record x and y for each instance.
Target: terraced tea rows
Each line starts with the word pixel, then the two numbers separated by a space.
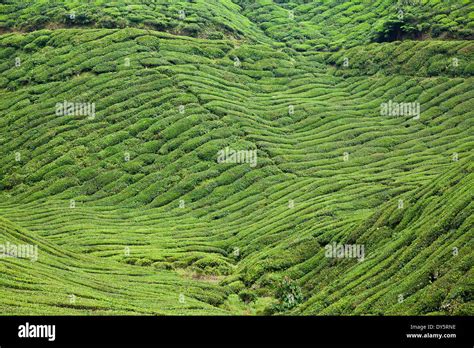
pixel 132 212
pixel 210 18
pixel 332 24
pixel 65 282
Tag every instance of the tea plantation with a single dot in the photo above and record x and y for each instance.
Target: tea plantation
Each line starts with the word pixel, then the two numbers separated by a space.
pixel 112 116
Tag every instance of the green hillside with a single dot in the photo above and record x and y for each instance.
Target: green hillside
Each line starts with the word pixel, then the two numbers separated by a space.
pixel 333 24
pixel 213 19
pixel 132 211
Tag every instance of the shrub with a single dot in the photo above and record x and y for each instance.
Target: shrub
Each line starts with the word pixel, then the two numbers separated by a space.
pixel 289 295
pixel 143 262
pixel 247 296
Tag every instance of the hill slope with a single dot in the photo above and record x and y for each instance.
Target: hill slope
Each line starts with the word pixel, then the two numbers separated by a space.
pixel 133 212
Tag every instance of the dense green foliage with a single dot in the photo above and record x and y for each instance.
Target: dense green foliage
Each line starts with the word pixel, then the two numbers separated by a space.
pixel 158 226
pixel 198 18
pixel 332 24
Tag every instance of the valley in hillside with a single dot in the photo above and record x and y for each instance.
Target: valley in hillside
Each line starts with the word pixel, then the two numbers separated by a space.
pixel 236 157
